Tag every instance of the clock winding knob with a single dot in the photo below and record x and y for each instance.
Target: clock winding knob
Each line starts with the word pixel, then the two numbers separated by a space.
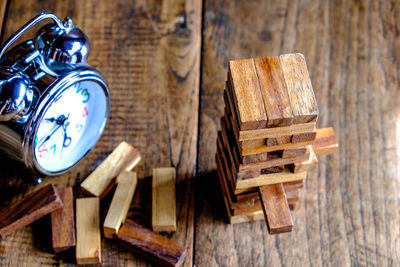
pixel 67 44
pixel 16 94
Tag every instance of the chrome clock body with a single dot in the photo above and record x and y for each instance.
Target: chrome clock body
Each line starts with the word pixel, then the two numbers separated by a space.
pixel 53 106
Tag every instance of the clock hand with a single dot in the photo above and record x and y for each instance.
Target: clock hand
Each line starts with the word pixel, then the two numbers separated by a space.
pixel 48 137
pixel 60 121
pixel 67 140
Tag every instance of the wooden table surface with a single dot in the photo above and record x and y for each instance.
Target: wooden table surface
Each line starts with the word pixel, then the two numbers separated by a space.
pixel 166 64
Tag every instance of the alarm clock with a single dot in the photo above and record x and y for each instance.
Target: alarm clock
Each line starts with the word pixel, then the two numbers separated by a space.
pixel 53 105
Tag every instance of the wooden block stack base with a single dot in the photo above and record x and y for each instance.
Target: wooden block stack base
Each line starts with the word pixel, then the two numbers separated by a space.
pixel 268 139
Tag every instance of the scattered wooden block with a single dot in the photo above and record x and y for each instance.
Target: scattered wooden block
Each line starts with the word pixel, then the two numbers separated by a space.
pixel 163 205
pixel 27 210
pixel 300 91
pixel 102 179
pixel 276 209
pixel 325 142
pixel 63 222
pixel 154 247
pixel 247 94
pixel 116 215
pixel 274 92
pixel 88 241
pixel 294 152
pixel 304 137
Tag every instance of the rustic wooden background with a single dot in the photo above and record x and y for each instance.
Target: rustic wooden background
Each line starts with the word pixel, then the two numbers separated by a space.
pixel 166 63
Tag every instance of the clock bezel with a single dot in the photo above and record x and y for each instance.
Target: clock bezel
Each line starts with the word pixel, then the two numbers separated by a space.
pixel 47 97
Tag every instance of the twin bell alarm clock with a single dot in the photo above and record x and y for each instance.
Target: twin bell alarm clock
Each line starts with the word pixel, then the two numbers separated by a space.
pixel 53 105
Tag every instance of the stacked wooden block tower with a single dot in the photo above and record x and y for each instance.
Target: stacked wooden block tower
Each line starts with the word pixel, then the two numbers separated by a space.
pixel 268 139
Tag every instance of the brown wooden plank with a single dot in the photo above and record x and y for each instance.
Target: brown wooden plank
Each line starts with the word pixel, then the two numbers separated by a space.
pixel 325 142
pixel 300 91
pixel 274 92
pixel 63 222
pixel 27 210
pixel 88 239
pixel 276 209
pixel 154 247
pixel 247 94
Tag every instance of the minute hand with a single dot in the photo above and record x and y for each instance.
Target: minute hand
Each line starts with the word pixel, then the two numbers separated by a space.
pixel 48 137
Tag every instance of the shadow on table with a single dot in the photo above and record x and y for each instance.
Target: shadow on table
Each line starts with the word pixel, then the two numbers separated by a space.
pixel 15 179
pixel 209 198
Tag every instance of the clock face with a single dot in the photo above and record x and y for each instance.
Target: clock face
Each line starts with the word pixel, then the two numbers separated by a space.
pixel 70 126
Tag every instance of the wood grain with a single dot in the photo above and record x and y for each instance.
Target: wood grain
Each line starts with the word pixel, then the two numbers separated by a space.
pixel 299 138
pixel 154 247
pixel 121 201
pixel 123 158
pixel 63 222
pixel 307 165
pixel 294 152
pixel 300 90
pixel 274 91
pixel 88 239
pixel 247 95
pixel 325 142
pixel 344 217
pixel 276 209
pixel 163 217
pixel 27 210
pixel 151 61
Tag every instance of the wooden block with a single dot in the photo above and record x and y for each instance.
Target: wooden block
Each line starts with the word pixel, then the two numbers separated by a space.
pixel 266 149
pixel 27 210
pixel 300 91
pixel 102 179
pixel 256 158
pixel 271 160
pixel 273 178
pixel 275 169
pixel 325 142
pixel 294 152
pixel 63 222
pixel 88 245
pixel 277 131
pixel 276 141
pixel 116 215
pixel 247 94
pixel 274 92
pixel 163 205
pixel 299 138
pixel 154 247
pixel 289 186
pixel 276 209
pixel 253 143
pixel 306 165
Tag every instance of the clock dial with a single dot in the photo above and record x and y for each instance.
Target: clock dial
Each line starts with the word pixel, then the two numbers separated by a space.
pixel 70 126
